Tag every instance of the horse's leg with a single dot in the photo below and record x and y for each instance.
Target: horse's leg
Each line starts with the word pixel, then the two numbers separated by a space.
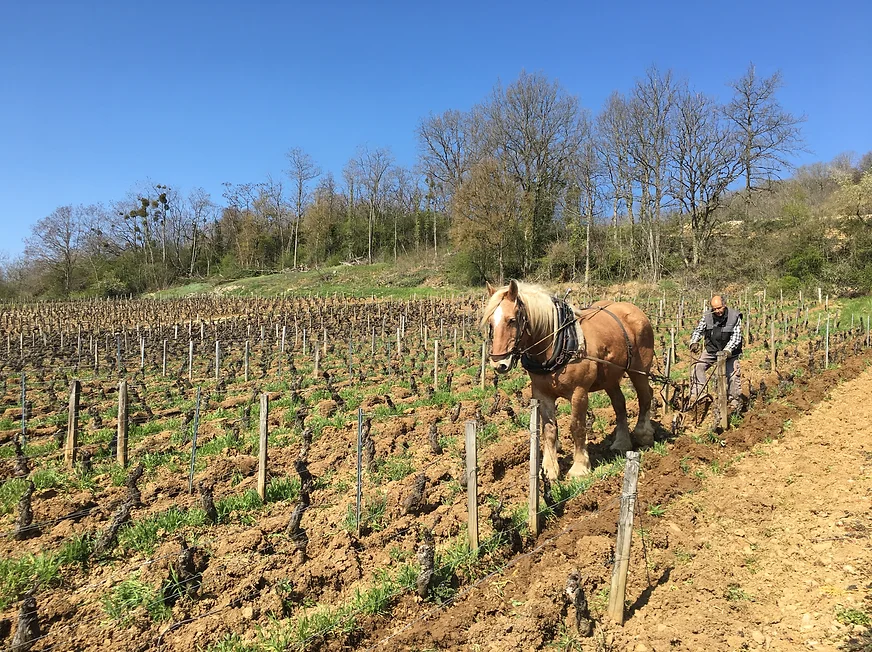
pixel 578 426
pixel 548 414
pixel 622 442
pixel 643 433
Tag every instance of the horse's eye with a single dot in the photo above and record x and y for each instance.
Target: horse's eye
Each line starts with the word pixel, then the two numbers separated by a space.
pixel 512 320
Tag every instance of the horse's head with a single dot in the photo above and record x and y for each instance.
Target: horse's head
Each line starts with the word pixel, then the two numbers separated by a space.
pixel 506 324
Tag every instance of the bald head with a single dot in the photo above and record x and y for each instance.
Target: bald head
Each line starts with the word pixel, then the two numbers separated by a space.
pixel 717 304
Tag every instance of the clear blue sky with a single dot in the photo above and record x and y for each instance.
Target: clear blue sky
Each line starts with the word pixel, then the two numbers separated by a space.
pixel 96 97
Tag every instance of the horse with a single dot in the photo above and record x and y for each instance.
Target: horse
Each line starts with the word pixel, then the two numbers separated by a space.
pixel 569 352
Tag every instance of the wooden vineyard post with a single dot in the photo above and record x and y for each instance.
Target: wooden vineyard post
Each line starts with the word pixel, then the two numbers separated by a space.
pixel 262 454
pixel 721 374
pixel 194 443
pixel 435 365
pixel 190 360
pixel 359 494
pixel 317 360
pixel 483 358
pixel 618 590
pixel 247 352
pixel 217 361
pixel 23 410
pixel 72 424
pixel 164 364
pixel 867 331
pixel 533 504
pixel 772 344
pixel 121 439
pixel 827 345
pixel 399 342
pixel 668 375
pixel 472 485
pixel 141 353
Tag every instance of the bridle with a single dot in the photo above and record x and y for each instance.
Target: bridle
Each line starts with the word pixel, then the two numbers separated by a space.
pixel 521 327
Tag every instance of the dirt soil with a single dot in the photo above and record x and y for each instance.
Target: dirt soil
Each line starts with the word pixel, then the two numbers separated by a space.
pixel 763 545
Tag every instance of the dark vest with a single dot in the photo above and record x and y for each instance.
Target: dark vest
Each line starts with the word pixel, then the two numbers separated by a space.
pixel 719 331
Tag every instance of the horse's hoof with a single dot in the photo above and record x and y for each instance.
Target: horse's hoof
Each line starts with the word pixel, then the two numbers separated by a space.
pixel 551 474
pixel 643 441
pixel 621 447
pixel 578 471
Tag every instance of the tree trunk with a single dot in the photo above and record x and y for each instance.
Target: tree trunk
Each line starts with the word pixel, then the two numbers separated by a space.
pixel 369 235
pixel 193 249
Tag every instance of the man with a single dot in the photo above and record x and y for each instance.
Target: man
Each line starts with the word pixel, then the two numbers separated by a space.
pixel 721 328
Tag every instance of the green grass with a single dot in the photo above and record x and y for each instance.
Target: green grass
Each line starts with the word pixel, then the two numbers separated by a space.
pixel 852 616
pixel 735 593
pixel 320 621
pixel 373 514
pixel 19 574
pixel 284 488
pixel 123 602
pixel 10 492
pixel 143 535
pixel 404 281
pixel 393 468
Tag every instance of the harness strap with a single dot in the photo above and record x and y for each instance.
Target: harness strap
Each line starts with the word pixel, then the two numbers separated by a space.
pixel 623 330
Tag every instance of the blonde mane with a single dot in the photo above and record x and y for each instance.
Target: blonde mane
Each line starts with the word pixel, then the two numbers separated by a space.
pixel 541 315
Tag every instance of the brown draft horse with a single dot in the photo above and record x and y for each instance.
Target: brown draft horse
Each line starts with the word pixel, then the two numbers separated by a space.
pixel 614 338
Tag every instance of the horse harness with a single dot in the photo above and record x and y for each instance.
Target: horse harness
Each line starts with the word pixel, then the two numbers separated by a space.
pixel 566 341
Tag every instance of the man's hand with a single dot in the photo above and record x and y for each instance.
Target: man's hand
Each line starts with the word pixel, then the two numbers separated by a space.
pixel 728 352
pixel 694 348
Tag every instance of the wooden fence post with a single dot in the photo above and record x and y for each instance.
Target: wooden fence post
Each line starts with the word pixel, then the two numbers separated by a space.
pixel 359 494
pixel 472 485
pixel 435 365
pixel 194 442
pixel 772 344
pixel 827 346
pixel 264 437
pixel 72 424
pixel 23 409
pixel 721 373
pixel 533 503
pixel 618 590
pixel 483 358
pixel 121 439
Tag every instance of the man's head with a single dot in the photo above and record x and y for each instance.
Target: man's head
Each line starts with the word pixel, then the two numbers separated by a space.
pixel 718 305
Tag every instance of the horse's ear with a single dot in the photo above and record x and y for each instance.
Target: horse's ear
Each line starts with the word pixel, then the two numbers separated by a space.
pixel 490 289
pixel 512 294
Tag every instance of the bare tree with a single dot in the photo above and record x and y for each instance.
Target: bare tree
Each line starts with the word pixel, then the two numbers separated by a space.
pixel 373 165
pixel 448 146
pixel 486 218
pixel 54 243
pixel 201 209
pixel 535 128
pixel 706 156
pixel 651 107
pixel 613 147
pixel 302 170
pixel 768 134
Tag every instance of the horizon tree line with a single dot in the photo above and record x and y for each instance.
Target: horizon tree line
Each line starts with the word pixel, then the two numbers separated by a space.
pixel 526 182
